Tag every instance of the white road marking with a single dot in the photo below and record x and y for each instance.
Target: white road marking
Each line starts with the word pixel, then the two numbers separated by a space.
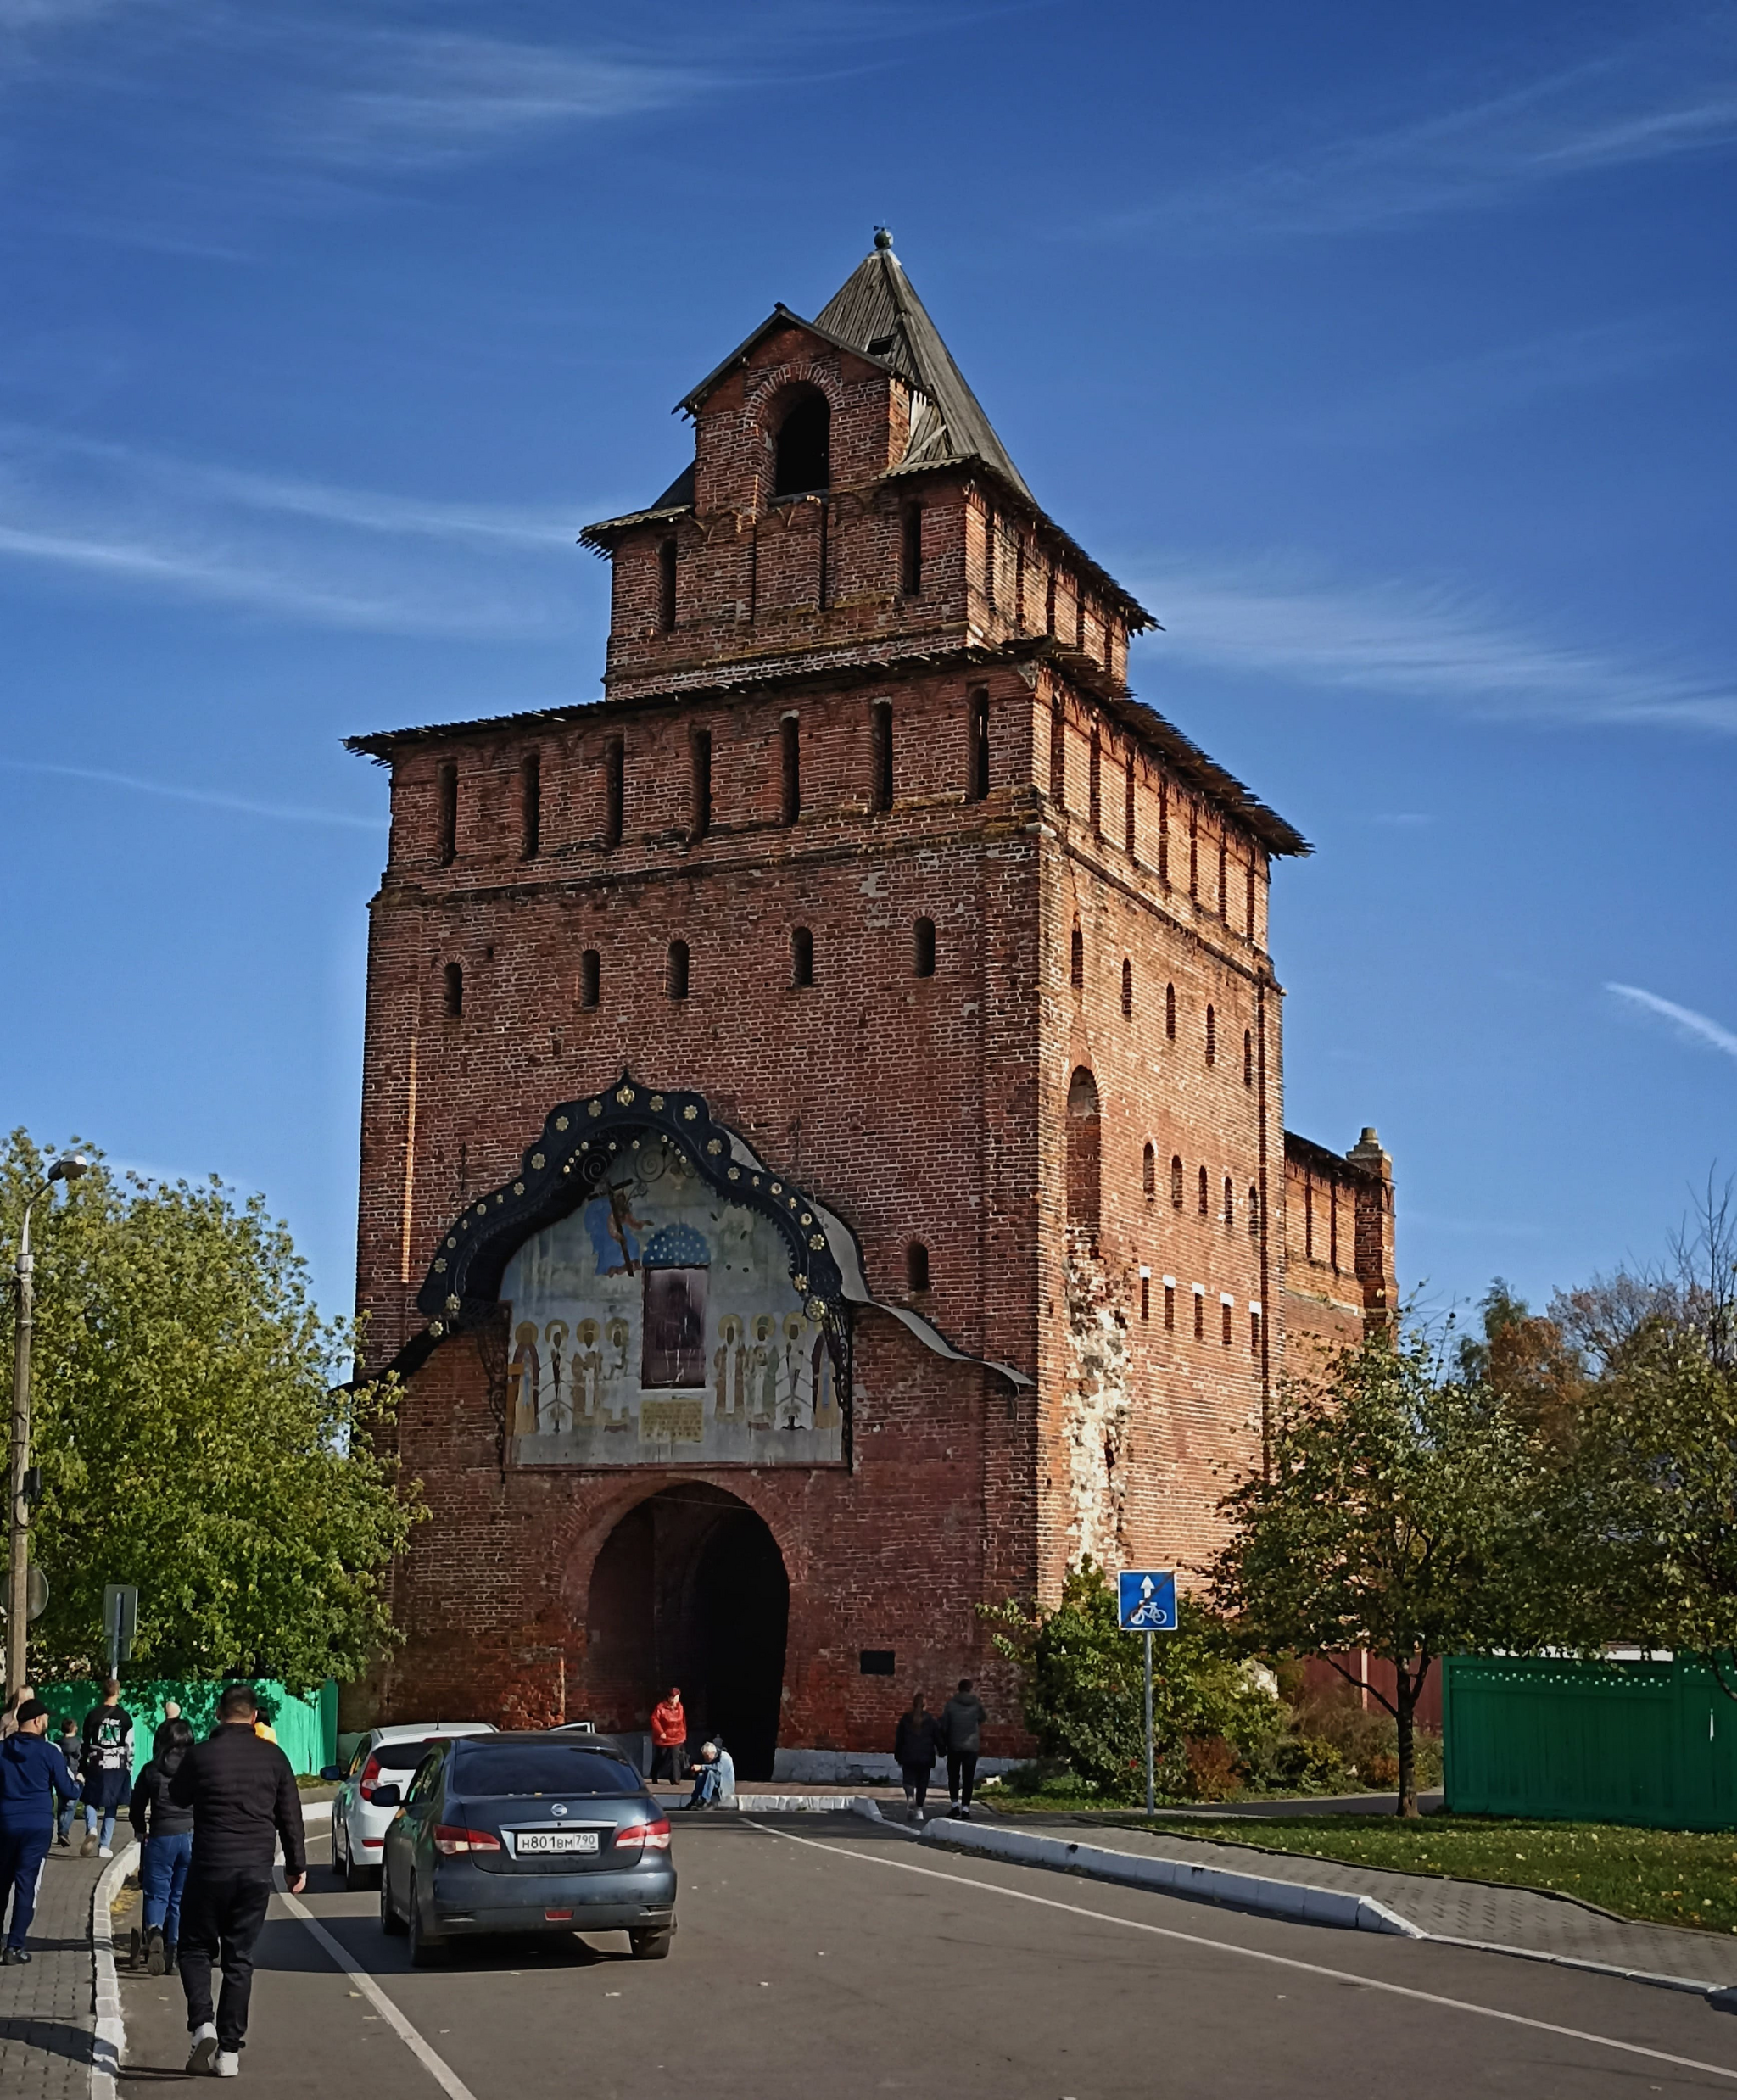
pixel 1261 1954
pixel 436 2066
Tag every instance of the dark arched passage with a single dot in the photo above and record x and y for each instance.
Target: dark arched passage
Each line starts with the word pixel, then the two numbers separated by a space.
pixel 690 1589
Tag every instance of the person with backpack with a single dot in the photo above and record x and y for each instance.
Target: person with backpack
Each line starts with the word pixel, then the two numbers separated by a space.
pixel 107 1768
pixel 31 1772
pixel 916 1743
pixel 962 1736
pixel 73 1752
pixel 164 1830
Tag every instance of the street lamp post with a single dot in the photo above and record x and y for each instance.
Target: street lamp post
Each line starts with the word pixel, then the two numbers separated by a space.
pixel 18 1583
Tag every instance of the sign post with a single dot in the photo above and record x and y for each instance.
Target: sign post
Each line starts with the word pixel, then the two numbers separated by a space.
pixel 120 1620
pixel 1145 1604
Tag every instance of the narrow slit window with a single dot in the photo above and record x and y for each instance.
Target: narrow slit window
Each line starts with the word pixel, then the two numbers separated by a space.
pixel 1254 1333
pixel 1170 1012
pixel 1049 604
pixel 1058 759
pixel 1206 1193
pixel 1249 899
pixel 446 815
pixel 977 752
pixel 789 732
pixel 1163 833
pixel 880 757
pixel 1177 1181
pixel 530 805
pixel 916 1266
pixel 1127 989
pixel 1076 960
pixel 923 948
pixel 1199 1315
pixel 911 551
pixel 991 551
pixel 700 800
pixel 1224 879
pixel 1247 1057
pixel 454 980
pixel 802 958
pixel 1253 1212
pixel 1230 1204
pixel 1148 1171
pixel 1193 860
pixel 1145 1297
pixel 1128 808
pixel 614 791
pixel 590 977
pixel 1211 1037
pixel 676 977
pixel 1226 1311
pixel 1169 1308
pixel 666 585
pixel 1094 784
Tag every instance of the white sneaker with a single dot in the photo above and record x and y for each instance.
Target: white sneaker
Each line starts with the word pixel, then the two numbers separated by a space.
pixel 204 2055
pixel 228 2063
pixel 105 1851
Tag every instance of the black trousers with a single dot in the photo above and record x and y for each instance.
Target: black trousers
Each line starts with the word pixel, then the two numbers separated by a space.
pixel 961 1776
pixel 669 1760
pixel 219 1921
pixel 21 1856
pixel 917 1782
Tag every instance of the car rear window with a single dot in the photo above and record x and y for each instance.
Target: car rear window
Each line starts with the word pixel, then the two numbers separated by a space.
pixel 403 1756
pixel 522 1769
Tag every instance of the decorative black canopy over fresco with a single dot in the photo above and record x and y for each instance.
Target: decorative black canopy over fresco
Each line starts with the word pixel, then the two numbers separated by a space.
pixel 571 1163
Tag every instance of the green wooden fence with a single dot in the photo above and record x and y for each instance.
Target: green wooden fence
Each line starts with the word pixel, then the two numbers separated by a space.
pixel 1606 1742
pixel 306 1728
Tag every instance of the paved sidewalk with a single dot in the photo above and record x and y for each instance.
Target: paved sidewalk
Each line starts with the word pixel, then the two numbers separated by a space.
pixel 1446 1909
pixel 46 2017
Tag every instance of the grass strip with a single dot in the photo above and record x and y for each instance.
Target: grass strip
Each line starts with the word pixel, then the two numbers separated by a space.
pixel 1663 1877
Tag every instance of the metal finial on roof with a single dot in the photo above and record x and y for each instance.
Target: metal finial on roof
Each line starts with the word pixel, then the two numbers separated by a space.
pixel 883 237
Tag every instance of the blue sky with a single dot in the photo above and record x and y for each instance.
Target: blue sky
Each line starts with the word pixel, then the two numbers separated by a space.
pixel 1384 352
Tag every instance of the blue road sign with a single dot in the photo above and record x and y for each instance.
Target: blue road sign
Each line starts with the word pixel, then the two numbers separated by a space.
pixel 1147 1599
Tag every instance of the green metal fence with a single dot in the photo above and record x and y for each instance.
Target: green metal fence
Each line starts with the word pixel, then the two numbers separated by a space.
pixel 1607 1742
pixel 306 1728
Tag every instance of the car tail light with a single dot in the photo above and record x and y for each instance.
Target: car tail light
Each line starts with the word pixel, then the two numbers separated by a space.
pixel 449 1838
pixel 370 1779
pixel 654 1837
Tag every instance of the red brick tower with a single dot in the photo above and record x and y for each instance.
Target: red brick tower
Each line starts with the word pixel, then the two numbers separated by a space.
pixel 822 1164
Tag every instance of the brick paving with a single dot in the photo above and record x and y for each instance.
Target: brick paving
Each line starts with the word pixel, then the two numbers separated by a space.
pixel 46 2019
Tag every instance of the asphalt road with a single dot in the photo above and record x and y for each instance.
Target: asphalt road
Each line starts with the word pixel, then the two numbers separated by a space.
pixel 822 1957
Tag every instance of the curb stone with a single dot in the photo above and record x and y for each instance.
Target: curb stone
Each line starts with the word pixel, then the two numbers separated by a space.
pixel 109 2044
pixel 1269 1898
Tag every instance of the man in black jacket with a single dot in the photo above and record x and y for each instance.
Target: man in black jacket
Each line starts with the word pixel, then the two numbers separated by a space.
pixel 244 1797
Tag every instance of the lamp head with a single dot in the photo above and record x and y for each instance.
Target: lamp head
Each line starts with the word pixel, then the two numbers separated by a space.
pixel 70 1169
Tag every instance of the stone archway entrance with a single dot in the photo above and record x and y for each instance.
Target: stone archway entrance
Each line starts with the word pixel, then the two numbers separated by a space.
pixel 690 1589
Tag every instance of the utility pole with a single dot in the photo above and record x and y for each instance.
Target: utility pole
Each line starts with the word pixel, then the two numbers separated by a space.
pixel 18 1574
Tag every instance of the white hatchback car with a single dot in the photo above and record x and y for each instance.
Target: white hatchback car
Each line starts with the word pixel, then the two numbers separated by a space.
pixel 383 1756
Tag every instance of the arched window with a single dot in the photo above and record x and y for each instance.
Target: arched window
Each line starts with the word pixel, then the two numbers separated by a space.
pixel 916 1266
pixel 923 948
pixel 1177 1181
pixel 1206 1193
pixel 1211 1037
pixel 590 977
pixel 1127 988
pixel 666 585
pixel 1253 1212
pixel 802 451
pixel 1230 1204
pixel 1247 1057
pixel 802 957
pixel 446 815
pixel 530 805
pixel 1170 1012
pixel 1148 1170
pixel 676 977
pixel 1077 961
pixel 454 978
pixel 1084 1134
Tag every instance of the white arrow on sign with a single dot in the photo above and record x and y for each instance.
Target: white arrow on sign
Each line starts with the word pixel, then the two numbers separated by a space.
pixel 1146 1586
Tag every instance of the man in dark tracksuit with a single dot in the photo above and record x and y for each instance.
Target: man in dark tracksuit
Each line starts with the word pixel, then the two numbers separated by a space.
pixel 244 1797
pixel 31 1769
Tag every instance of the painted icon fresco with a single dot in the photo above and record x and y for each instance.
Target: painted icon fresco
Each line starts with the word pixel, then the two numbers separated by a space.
pixel 659 1323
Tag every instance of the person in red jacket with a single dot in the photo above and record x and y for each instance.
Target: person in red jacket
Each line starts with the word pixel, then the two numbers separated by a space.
pixel 669 1738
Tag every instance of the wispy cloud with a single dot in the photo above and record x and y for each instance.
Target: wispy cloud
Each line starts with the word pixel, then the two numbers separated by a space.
pixel 1424 641
pixel 308 550
pixel 1650 100
pixel 208 798
pixel 1697 1027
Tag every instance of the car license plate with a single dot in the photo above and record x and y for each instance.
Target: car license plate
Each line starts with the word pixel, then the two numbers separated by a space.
pixel 531 1841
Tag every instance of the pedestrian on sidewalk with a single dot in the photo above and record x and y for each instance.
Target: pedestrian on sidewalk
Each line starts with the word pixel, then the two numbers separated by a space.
pixel 243 1799
pixel 669 1738
pixel 962 1734
pixel 106 1769
pixel 165 1834
pixel 31 1772
pixel 9 1717
pixel 67 1804
pixel 916 1743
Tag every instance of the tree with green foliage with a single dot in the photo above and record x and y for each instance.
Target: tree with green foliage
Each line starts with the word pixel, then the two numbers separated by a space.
pixel 1398 1515
pixel 1084 1684
pixel 192 1439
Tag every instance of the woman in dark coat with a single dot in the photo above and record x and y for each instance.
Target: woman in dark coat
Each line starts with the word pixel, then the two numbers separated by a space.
pixel 915 1745
pixel 166 1834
